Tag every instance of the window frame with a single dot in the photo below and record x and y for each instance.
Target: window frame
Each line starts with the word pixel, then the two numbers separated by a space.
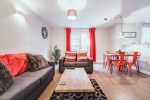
pixel 145 30
pixel 80 40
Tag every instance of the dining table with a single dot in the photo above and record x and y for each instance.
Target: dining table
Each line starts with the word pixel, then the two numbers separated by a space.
pixel 112 56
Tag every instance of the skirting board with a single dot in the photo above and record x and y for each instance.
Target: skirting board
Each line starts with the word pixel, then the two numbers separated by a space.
pixel 143 71
pixel 98 62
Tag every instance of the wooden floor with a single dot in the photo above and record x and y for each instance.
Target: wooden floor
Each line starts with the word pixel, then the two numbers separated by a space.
pixel 115 87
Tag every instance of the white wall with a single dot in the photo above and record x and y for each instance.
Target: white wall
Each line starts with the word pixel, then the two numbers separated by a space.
pixel 112 38
pixel 144 62
pixel 101 43
pixel 59 38
pixel 22 35
pixel 117 43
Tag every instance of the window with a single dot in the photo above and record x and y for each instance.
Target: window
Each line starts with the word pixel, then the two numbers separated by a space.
pixel 80 41
pixel 146 33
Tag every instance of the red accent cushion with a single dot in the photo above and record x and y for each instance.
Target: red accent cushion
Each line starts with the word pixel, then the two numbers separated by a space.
pixel 15 63
pixel 70 56
pixel 70 59
pixel 82 57
pixel 81 54
pixel 70 53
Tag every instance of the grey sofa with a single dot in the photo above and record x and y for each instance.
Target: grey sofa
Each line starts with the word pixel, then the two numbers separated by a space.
pixel 88 66
pixel 29 85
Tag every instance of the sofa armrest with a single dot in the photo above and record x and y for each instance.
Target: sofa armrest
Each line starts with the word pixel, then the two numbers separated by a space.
pixel 90 60
pixel 51 63
pixel 61 61
pixel 61 64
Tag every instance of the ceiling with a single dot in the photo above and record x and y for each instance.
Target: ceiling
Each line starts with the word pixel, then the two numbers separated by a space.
pixel 93 14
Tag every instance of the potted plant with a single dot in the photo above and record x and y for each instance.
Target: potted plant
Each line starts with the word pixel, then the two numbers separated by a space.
pixel 119 51
pixel 55 54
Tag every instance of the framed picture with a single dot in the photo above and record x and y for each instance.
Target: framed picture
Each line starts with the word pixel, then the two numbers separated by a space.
pixel 129 34
pixel 44 32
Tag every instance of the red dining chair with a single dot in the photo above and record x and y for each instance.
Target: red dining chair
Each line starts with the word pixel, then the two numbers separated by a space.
pixel 108 60
pixel 133 62
pixel 121 62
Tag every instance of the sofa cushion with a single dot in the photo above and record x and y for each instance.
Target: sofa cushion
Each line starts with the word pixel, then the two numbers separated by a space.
pixel 81 54
pixel 69 64
pixel 22 87
pixel 42 74
pixel 82 57
pixel 36 62
pixel 70 53
pixel 82 64
pixel 70 59
pixel 70 56
pixel 16 63
pixel 6 78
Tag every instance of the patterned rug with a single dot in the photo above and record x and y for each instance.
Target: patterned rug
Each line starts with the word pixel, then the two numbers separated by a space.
pixel 99 95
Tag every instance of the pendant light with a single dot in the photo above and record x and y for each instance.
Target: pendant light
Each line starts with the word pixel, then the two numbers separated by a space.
pixel 121 35
pixel 72 14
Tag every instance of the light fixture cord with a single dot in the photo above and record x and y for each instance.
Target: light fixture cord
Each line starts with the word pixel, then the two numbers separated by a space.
pixel 121 23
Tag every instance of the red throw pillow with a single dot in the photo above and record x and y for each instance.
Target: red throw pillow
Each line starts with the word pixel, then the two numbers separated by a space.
pixel 82 57
pixel 81 54
pixel 70 53
pixel 70 56
pixel 15 63
pixel 70 59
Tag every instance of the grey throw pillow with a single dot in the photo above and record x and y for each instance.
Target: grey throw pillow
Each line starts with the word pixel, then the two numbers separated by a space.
pixel 6 78
pixel 36 62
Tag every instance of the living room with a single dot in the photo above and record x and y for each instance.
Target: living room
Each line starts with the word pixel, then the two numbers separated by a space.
pixel 23 34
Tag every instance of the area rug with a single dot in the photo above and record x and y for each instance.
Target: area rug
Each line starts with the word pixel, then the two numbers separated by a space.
pixel 99 95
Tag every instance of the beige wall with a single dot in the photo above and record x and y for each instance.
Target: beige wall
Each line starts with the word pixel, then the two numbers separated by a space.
pixel 22 35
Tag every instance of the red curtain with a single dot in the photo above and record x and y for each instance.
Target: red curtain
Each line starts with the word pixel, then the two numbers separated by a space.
pixel 68 36
pixel 92 44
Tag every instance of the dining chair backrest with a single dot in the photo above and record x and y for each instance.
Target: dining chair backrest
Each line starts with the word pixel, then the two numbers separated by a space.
pixel 135 56
pixel 123 57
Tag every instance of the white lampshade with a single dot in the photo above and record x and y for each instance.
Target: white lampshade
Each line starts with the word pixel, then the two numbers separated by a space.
pixel 72 14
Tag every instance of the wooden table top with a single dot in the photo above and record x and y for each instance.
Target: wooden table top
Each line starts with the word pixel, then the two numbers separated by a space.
pixel 112 54
pixel 76 81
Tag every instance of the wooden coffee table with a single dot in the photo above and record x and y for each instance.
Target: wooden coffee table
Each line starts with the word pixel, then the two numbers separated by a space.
pixel 76 81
